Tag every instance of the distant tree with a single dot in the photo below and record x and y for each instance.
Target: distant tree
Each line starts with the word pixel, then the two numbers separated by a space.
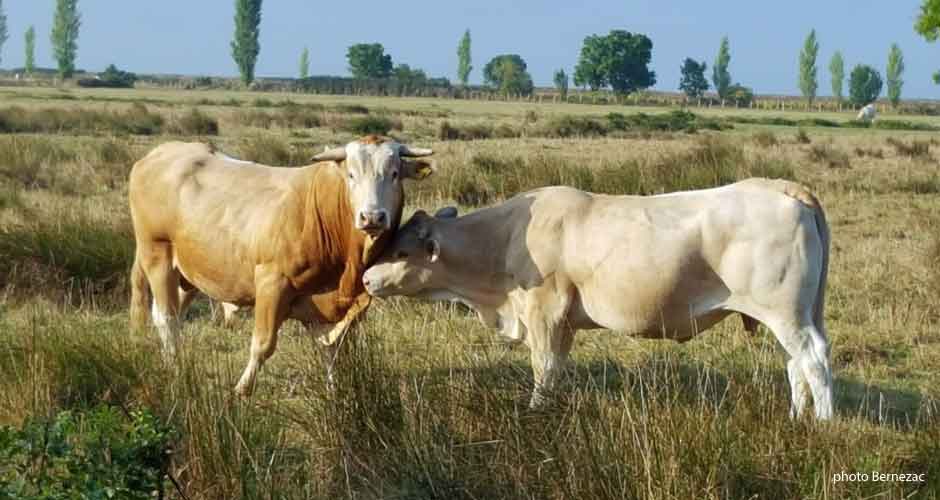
pixel 619 59
pixel 464 60
pixel 928 25
pixel 893 74
pixel 64 36
pixel 588 72
pixel 740 95
pixel 403 73
pixel 808 82
pixel 693 81
pixel 721 77
pixel 4 35
pixel 30 44
pixel 561 84
pixel 245 45
pixel 864 85
pixel 369 60
pixel 508 74
pixel 837 70
pixel 304 63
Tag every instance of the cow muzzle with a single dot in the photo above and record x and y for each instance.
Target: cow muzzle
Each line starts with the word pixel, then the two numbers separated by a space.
pixel 373 284
pixel 373 222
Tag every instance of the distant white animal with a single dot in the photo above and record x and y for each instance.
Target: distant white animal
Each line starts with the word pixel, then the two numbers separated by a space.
pixel 868 113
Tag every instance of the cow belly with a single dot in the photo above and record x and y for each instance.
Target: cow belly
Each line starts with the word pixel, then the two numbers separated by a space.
pixel 676 314
pixel 223 281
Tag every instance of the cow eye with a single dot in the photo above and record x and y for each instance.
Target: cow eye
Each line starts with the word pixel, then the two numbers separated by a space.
pixel 350 176
pixel 401 254
pixel 395 174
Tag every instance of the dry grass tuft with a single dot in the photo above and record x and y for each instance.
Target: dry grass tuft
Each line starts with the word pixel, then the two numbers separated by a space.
pixel 829 155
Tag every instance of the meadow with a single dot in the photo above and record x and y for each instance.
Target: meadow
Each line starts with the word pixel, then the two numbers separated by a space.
pixel 428 402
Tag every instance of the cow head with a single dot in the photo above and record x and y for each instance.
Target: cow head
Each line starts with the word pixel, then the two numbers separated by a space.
pixel 409 264
pixel 375 167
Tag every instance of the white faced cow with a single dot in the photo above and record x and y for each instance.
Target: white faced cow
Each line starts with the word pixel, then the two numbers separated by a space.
pixel 555 260
pixel 292 242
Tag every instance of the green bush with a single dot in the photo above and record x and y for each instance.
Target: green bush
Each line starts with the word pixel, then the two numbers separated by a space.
pixel 904 125
pixel 99 453
pixel 111 78
pixel 573 126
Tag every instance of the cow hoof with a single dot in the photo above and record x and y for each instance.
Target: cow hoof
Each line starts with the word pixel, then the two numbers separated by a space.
pixel 243 390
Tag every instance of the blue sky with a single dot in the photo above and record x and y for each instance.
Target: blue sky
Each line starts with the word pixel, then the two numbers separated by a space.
pixel 192 36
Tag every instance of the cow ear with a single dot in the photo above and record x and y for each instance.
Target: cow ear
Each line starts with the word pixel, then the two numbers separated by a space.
pixel 433 249
pixel 446 213
pixel 416 169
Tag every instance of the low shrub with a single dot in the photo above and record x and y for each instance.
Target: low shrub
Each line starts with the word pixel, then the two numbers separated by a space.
pixel 765 139
pixel 904 125
pixel 271 150
pixel 195 122
pixel 98 453
pixel 469 132
pixel 372 124
pixel 71 248
pixel 137 120
pixel 869 152
pixel 829 155
pixel 351 109
pixel 916 149
pixel 801 137
pixel 573 126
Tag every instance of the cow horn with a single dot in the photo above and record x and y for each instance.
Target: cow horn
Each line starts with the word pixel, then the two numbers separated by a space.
pixel 405 151
pixel 335 154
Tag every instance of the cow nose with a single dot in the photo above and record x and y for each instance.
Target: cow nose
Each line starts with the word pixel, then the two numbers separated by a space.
pixel 374 218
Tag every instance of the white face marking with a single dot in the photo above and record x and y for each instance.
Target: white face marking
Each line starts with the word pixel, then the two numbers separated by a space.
pixel 374 180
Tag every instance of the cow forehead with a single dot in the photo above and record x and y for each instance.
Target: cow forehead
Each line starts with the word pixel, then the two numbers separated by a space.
pixel 378 153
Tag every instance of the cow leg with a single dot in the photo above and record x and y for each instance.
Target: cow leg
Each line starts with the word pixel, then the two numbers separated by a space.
pixel 228 314
pixel 272 303
pixel 797 388
pixel 549 339
pixel 186 299
pixel 333 341
pixel 140 294
pixel 164 284
pixel 809 363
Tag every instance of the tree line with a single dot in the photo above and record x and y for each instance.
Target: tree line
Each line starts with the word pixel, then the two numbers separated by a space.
pixel 618 61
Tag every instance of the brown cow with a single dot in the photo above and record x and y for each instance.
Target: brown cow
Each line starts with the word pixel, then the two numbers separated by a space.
pixel 292 242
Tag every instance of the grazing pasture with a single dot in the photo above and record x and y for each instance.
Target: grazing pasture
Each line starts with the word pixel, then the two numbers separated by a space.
pixel 428 403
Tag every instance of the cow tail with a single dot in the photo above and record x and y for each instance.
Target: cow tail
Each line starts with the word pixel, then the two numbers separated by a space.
pixel 823 227
pixel 140 296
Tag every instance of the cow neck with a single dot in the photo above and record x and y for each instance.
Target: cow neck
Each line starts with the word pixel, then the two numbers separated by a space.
pixel 481 243
pixel 328 216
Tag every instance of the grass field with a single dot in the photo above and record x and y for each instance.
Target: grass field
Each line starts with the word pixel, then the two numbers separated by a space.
pixel 428 403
